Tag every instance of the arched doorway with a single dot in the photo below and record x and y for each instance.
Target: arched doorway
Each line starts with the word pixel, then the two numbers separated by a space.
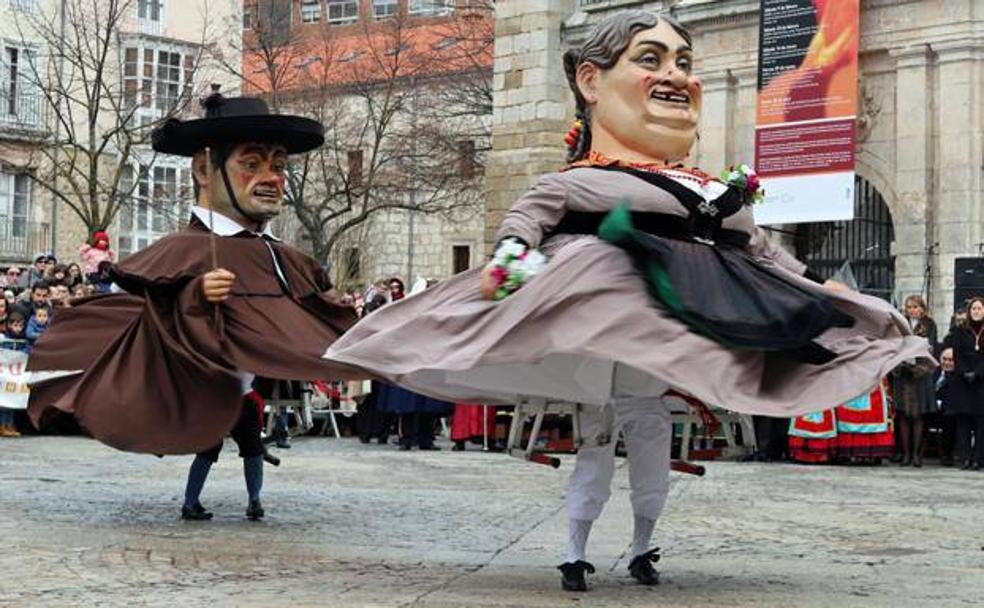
pixel 864 243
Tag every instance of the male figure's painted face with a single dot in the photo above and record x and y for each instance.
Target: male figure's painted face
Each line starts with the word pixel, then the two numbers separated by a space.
pixel 646 107
pixel 258 176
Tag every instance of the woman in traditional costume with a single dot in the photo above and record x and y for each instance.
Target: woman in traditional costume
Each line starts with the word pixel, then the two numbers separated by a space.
pixel 858 431
pixel 681 291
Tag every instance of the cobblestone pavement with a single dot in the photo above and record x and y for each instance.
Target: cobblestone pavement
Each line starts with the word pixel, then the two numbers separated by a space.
pixel 353 525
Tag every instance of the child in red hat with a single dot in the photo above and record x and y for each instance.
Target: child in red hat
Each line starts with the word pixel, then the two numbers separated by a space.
pixel 96 251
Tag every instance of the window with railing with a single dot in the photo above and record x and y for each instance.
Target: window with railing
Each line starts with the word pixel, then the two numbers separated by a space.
pixel 25 6
pixel 20 96
pixel 157 80
pixel 310 11
pixel 430 7
pixel 249 16
pixel 343 11
pixel 150 16
pixel 150 9
pixel 383 9
pixel 158 204
pixel 15 205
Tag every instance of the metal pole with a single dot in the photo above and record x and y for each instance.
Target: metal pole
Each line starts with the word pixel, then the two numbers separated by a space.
pixel 55 155
pixel 413 180
pixel 485 428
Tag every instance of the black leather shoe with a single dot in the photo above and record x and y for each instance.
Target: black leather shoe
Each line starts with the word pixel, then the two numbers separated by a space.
pixel 405 447
pixel 195 513
pixel 572 575
pixel 255 510
pixel 917 462
pixel 430 448
pixel 965 466
pixel 641 567
pixel 283 444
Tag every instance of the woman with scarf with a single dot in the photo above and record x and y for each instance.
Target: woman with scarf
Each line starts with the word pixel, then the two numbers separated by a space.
pixel 913 386
pixel 657 278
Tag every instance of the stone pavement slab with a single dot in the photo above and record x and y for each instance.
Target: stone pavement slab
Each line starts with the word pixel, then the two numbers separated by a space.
pixel 355 525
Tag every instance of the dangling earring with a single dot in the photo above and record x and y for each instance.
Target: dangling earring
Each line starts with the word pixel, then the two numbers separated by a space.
pixel 574 134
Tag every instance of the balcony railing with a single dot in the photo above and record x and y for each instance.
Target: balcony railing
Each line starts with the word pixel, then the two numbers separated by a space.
pixel 595 5
pixel 23 112
pixel 21 241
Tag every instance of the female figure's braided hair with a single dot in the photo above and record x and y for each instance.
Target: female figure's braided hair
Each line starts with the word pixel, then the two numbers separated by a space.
pixel 604 47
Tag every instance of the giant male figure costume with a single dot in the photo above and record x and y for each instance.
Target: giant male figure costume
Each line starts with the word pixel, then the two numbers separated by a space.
pixel 162 368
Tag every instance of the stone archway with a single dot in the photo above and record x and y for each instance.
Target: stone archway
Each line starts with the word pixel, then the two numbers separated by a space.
pixel 864 244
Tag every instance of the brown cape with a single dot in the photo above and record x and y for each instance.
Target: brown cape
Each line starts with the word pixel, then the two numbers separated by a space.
pixel 161 364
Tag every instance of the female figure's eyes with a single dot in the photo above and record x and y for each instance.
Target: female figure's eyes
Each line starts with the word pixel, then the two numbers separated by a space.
pixel 685 64
pixel 250 164
pixel 649 59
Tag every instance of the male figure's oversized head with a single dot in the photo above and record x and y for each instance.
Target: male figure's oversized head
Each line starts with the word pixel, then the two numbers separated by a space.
pixel 248 149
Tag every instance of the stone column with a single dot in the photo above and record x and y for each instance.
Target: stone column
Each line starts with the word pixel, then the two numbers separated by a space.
pixel 532 105
pixel 717 122
pixel 912 212
pixel 741 140
pixel 958 214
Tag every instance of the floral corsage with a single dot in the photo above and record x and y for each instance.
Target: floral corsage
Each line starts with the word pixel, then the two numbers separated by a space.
pixel 513 264
pixel 746 180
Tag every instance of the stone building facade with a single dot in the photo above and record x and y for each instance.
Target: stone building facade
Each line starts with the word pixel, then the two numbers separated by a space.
pixel 153 48
pixel 921 66
pixel 381 76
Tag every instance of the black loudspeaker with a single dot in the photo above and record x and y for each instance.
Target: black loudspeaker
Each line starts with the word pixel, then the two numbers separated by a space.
pixel 968 280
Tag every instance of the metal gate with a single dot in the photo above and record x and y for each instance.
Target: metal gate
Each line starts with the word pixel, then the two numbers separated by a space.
pixel 864 243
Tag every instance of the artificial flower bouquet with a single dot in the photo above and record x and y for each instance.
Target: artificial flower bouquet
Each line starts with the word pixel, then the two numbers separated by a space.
pixel 513 264
pixel 746 180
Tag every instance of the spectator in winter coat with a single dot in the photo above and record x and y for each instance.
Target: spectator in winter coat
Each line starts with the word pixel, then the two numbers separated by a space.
pixel 38 323
pixel 96 252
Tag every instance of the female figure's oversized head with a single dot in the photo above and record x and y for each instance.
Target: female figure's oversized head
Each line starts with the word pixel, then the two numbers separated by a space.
pixel 635 90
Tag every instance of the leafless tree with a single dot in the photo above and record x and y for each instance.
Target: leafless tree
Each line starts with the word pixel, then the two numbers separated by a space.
pixel 392 140
pixel 91 108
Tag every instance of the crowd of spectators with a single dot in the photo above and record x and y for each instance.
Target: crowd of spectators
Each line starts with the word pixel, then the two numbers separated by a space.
pixel 32 296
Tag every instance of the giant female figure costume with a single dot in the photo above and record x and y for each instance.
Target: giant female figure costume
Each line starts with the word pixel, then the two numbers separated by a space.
pixel 682 292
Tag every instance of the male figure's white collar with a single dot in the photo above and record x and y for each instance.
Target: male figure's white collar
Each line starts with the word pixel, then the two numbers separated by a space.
pixel 224 225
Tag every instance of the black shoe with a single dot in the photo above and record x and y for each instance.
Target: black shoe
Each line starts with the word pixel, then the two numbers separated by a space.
pixel 572 575
pixel 255 510
pixel 946 462
pixel 641 567
pixel 965 466
pixel 405 447
pixel 283 444
pixel 429 448
pixel 906 461
pixel 195 513
pixel 382 440
pixel 975 467
pixel 459 446
pixel 896 458
pixel 917 462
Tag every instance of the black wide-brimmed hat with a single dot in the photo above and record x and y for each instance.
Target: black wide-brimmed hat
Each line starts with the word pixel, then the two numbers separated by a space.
pixel 232 120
